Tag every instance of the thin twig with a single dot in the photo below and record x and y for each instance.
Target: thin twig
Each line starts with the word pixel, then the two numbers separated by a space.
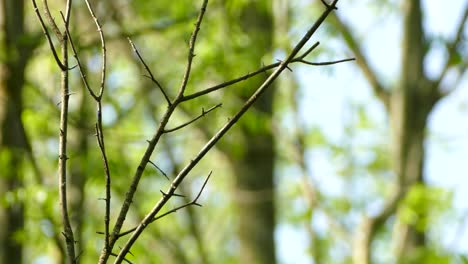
pixel 49 39
pixel 51 20
pixel 80 66
pixel 62 164
pixel 191 54
pixel 99 129
pixel 327 62
pixel 98 126
pixel 203 113
pixel 328 5
pixel 159 169
pixel 193 202
pixel 231 82
pixel 146 156
pixel 103 48
pixel 264 69
pixel 309 50
pixel 149 72
pixel 210 144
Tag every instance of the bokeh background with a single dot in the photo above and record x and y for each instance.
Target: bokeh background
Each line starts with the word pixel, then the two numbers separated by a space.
pixel 360 162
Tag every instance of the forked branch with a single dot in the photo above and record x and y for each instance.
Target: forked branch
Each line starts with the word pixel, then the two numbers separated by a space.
pixel 210 144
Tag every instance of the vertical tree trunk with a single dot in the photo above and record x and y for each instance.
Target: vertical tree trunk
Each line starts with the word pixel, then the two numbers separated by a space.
pixel 13 145
pixel 411 104
pixel 408 106
pixel 254 170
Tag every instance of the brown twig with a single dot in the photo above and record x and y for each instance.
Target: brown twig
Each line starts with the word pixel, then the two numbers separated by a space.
pixel 62 164
pixel 203 113
pixel 264 69
pixel 193 202
pixel 152 144
pixel 184 172
pixel 51 20
pixel 49 39
pixel 159 169
pixel 98 126
pixel 326 62
pixel 149 72
pixel 191 54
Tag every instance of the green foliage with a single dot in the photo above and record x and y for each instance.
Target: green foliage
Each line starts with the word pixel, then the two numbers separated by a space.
pixel 354 170
pixel 423 205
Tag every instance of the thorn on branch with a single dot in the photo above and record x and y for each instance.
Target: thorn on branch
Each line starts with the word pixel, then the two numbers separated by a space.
pixel 193 120
pixel 159 169
pixel 126 232
pixel 326 62
pixel 151 76
pixel 287 66
pixel 193 202
pixel 309 50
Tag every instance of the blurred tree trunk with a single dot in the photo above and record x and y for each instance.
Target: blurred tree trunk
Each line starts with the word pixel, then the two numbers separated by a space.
pixel 254 169
pixel 408 106
pixel 13 144
pixel 411 104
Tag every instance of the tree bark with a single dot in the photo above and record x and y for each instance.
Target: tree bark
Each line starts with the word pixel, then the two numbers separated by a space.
pixel 13 144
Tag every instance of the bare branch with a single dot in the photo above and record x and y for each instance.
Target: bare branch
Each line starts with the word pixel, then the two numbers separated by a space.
pixel 159 169
pixel 103 48
pixel 191 53
pixel 80 66
pixel 51 20
pixel 49 39
pixel 203 113
pixel 99 130
pixel 263 69
pixel 184 172
pixel 231 82
pixel 326 62
pixel 193 202
pixel 309 50
pixel 328 5
pixel 149 72
pixel 98 126
pixel 62 164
